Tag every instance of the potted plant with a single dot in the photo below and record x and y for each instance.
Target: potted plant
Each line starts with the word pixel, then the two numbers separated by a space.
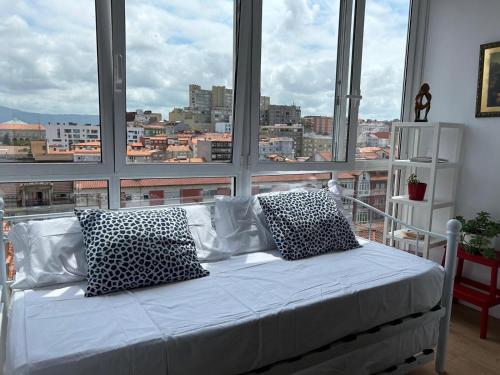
pixel 478 234
pixel 416 189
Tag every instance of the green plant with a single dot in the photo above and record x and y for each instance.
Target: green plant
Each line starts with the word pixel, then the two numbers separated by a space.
pixel 413 179
pixel 481 231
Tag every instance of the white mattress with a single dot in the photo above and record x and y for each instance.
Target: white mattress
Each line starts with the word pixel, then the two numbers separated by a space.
pixel 251 311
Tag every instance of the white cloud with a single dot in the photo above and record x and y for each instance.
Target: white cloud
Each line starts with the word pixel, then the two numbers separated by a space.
pixel 49 62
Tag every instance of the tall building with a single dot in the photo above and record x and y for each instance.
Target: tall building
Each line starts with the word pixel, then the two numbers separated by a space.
pixel 265 102
pixel 320 124
pixel 295 132
pixel 278 146
pixel 280 114
pixel 199 99
pixel 214 147
pixel 64 135
pixel 197 120
pixel 315 144
pixel 222 97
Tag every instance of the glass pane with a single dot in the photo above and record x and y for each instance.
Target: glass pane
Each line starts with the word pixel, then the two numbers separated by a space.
pixel 179 81
pixel 41 197
pixel 286 182
pixel 299 58
pixel 33 198
pixel 382 75
pixel 165 191
pixel 371 188
pixel 49 95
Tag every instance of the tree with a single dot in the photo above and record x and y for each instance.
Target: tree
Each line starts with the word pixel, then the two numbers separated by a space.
pixel 6 139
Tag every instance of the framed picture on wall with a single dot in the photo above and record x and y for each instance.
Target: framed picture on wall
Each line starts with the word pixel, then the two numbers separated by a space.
pixel 488 85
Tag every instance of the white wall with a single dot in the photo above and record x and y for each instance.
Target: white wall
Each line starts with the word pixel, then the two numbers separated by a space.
pixel 456 30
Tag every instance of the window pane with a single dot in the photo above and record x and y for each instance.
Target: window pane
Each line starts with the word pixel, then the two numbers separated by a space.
pixel 179 81
pixel 33 198
pixel 272 183
pixel 41 197
pixel 165 191
pixel 299 57
pixel 371 188
pixel 49 96
pixel 382 75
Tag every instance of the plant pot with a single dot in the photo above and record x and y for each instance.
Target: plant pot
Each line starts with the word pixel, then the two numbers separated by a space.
pixel 416 192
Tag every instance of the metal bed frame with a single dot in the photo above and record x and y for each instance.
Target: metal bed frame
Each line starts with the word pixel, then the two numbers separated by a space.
pixel 340 347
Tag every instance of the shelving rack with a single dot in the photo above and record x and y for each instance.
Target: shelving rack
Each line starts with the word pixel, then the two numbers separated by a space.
pixel 441 192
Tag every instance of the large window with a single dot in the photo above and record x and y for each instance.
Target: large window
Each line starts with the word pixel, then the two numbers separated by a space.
pixel 198 90
pixel 179 70
pixel 298 73
pixel 382 76
pixel 49 95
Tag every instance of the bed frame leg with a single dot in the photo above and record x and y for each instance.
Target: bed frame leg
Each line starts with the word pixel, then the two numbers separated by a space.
pixel 453 228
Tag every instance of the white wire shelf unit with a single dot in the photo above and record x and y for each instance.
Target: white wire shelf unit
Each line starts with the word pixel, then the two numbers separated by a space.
pixel 434 154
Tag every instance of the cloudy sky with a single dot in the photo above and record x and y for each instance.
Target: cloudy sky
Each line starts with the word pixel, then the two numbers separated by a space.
pixel 49 60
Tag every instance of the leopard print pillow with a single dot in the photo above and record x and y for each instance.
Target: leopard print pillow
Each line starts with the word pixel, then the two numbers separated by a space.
pixel 306 224
pixel 132 249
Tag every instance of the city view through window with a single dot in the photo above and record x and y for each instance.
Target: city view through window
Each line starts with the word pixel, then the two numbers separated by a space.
pixel 179 80
pixel 178 114
pixel 180 98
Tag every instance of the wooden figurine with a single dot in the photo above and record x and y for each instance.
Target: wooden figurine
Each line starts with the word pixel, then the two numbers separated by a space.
pixel 419 102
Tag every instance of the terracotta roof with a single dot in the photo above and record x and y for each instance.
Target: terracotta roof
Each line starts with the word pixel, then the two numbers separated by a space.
pixel 365 150
pixel 378 177
pixel 36 127
pixel 292 177
pixel 84 151
pixel 178 148
pixel 368 156
pixel 144 152
pixel 185 160
pixel 158 137
pixel 137 144
pixel 345 175
pixel 150 182
pixel 326 155
pixel 385 135
pixel 153 127
pixel 88 143
pixel 215 137
pixel 59 152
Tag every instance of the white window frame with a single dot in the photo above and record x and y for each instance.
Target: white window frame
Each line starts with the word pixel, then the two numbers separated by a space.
pixel 111 57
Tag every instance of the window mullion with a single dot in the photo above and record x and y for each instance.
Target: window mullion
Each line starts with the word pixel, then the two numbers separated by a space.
pixel 342 81
pixel 355 91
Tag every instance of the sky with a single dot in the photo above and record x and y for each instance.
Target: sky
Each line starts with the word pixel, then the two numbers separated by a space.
pixel 49 62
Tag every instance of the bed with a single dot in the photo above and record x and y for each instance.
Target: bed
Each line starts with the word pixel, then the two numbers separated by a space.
pixel 359 312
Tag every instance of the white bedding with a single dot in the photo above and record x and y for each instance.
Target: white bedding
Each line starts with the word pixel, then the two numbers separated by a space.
pixel 251 311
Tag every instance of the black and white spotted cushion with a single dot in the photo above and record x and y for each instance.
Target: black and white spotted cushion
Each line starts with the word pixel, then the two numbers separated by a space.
pixel 133 249
pixel 306 224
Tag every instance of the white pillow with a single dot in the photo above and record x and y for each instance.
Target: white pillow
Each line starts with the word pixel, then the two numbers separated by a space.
pixel 337 192
pixel 208 246
pixel 241 225
pixel 48 252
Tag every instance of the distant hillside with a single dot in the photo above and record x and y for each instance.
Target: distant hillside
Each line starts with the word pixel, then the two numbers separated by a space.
pixel 7 114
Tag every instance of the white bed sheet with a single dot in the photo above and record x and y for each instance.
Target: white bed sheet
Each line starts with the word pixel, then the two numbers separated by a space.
pixel 251 311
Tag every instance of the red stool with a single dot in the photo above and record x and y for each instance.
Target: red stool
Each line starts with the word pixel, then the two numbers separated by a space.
pixel 474 292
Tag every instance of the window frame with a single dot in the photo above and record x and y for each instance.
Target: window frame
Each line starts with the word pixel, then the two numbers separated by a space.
pixel 149 170
pixel 75 170
pixel 247 29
